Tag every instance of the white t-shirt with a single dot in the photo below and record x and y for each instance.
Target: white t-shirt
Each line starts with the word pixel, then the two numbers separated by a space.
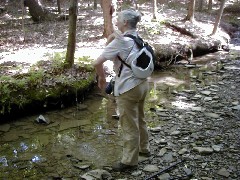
pixel 126 48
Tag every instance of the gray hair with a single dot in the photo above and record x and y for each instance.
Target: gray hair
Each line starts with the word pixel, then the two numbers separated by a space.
pixel 131 16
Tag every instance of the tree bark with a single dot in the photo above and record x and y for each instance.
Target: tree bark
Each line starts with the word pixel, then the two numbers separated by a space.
pixel 108 10
pixel 191 10
pixel 200 5
pixel 154 9
pixel 59 7
pixel 38 12
pixel 218 17
pixel 71 34
pixel 95 4
pixel 210 3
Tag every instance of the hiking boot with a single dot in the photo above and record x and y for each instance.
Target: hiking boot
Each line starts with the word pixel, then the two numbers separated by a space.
pixel 147 154
pixel 120 167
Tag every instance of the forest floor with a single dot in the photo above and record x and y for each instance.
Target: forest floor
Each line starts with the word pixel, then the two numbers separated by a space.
pixel 24 43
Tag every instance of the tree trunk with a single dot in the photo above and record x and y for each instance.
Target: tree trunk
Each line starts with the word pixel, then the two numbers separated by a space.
pixel 95 4
pixel 108 10
pixel 72 33
pixel 200 5
pixel 154 9
pixel 38 12
pixel 59 6
pixel 210 3
pixel 218 17
pixel 191 10
pixel 23 14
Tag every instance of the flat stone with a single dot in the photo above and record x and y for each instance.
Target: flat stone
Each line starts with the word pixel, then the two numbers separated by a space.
pixel 174 133
pixel 5 127
pixel 203 150
pixel 216 148
pixel 71 124
pixel 151 168
pixel 162 152
pixel 197 109
pixel 96 174
pixel 182 151
pixel 208 99
pixel 164 176
pixel 236 107
pixel 212 115
pixel 206 92
pixel 223 172
pixel 10 136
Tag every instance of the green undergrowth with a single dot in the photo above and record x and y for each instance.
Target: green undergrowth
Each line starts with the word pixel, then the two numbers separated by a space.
pixel 43 82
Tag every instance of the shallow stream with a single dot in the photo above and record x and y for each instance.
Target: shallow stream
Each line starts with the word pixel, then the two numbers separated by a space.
pixel 86 136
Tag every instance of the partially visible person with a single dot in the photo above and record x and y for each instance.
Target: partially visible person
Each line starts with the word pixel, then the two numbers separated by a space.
pixel 129 91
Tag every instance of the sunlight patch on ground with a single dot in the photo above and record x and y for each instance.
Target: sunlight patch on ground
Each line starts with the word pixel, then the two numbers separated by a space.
pixel 27 55
pixel 93 53
pixel 170 81
pixel 182 105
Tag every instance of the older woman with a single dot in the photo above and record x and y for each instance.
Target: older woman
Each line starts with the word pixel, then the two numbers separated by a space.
pixel 130 92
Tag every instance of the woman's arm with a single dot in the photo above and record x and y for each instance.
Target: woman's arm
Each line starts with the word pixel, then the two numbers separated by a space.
pixel 98 65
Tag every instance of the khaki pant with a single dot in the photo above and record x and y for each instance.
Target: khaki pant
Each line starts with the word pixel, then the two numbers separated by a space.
pixel 134 128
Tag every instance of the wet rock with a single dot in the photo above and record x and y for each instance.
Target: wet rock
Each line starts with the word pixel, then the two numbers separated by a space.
pixel 164 176
pixel 160 141
pixel 82 107
pixel 136 173
pixel 74 123
pixel 212 115
pixel 187 171
pixel 97 174
pixel 208 99
pixel 216 148
pixel 168 157
pixel 175 133
pixel 206 178
pixel 223 172
pixel 162 114
pixel 42 120
pixel 155 129
pixel 151 168
pixel 5 127
pixel 182 151
pixel 235 103
pixel 197 108
pixel 203 150
pixel 82 166
pixel 206 92
pixel 236 107
pixel 10 136
pixel 162 152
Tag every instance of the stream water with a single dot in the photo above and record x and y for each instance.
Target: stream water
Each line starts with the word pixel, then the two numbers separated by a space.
pixel 86 135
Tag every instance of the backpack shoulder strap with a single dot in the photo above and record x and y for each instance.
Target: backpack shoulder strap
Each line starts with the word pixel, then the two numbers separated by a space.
pixel 138 40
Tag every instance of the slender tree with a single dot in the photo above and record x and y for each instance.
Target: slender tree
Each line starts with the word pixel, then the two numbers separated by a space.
pixel 69 61
pixel 59 6
pixel 108 7
pixel 210 3
pixel 95 4
pixel 154 9
pixel 191 10
pixel 200 5
pixel 218 17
